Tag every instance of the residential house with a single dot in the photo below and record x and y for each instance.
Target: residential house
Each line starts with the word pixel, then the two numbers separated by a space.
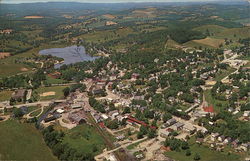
pixel 19 94
pixel 135 76
pixel 244 146
pixel 235 143
pixel 97 118
pixel 170 122
pixel 221 138
pixel 199 140
pixel 104 116
pixel 165 133
pixel 214 136
pixel 178 126
pixel 227 140
pixel 113 114
pixel 189 128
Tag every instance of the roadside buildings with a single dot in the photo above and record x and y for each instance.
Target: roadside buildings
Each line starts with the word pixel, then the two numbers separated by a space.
pixel 78 117
pixel 19 94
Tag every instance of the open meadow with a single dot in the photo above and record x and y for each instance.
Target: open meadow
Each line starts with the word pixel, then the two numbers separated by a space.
pixel 22 142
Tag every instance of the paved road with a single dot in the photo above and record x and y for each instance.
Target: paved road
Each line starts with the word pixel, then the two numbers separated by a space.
pixel 43 103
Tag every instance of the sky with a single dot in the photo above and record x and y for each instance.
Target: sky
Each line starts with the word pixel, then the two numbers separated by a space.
pixel 105 1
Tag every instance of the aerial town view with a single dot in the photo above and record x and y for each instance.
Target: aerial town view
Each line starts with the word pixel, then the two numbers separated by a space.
pixel 124 80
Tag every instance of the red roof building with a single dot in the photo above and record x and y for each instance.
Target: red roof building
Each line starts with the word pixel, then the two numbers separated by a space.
pixel 131 119
pixel 101 124
pixel 209 109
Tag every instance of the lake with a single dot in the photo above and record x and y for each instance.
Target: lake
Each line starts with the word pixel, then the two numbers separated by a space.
pixel 71 54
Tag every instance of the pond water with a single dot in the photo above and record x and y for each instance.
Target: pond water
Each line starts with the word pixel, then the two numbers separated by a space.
pixel 71 54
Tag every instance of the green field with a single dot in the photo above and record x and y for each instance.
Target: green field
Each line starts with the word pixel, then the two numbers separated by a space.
pixel 213 29
pixel 57 89
pixel 8 66
pixel 223 73
pixel 32 108
pixel 103 36
pixel 50 80
pixel 5 95
pixel 22 142
pixel 35 113
pixel 214 102
pixel 205 153
pixel 85 139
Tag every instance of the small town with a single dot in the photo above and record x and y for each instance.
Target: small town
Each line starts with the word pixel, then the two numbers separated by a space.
pixel 101 102
pixel 124 81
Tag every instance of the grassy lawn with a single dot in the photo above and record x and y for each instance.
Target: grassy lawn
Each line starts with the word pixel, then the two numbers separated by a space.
pixel 222 74
pixel 22 142
pixel 205 153
pixel 32 108
pixel 54 81
pixel 214 102
pixel 132 146
pixel 5 95
pixel 35 113
pixel 57 89
pixel 85 139
pixel 8 69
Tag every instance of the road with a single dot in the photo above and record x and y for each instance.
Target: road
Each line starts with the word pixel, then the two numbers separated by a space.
pixel 43 103
pixel 191 108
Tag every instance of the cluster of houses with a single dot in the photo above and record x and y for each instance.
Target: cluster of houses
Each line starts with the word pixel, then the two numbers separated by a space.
pixel 219 141
pixel 173 125
pixel 6 31
pixel 73 109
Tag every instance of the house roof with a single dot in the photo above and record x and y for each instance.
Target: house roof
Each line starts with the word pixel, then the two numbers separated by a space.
pixel 140 122
pixel 209 109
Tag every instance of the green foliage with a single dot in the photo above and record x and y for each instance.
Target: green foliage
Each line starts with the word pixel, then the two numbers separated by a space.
pixel 96 105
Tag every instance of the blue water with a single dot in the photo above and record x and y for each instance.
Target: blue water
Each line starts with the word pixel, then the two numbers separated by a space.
pixel 71 54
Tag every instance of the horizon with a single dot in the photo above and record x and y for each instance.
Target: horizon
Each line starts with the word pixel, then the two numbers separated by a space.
pixel 114 1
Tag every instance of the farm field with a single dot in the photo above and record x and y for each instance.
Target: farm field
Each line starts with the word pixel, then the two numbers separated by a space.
pixel 207 42
pixel 103 36
pixel 28 146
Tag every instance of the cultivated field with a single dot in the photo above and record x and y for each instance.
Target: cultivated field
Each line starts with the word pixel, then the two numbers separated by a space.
pixel 207 42
pixel 4 55
pixel 33 17
pixel 109 16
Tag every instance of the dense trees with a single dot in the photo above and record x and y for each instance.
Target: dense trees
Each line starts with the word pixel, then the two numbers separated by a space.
pixel 96 105
pixel 176 144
